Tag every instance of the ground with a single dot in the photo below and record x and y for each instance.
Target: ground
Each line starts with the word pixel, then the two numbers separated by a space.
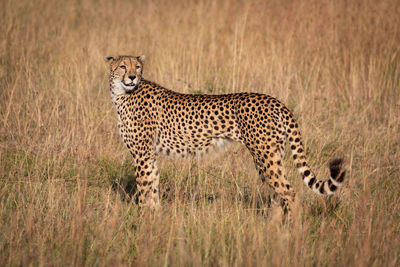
pixel 335 64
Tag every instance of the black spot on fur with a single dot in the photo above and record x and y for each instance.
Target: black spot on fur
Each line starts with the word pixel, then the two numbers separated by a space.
pixel 321 189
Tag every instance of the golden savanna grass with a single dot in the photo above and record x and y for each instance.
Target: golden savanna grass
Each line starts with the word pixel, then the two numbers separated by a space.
pixel 64 169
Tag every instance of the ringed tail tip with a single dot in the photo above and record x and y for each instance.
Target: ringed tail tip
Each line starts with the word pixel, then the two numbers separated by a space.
pixel 338 173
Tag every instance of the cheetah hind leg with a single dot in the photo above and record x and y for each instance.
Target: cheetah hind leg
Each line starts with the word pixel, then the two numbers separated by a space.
pixel 272 173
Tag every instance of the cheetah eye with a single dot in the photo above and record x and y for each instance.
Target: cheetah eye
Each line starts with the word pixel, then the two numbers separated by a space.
pixel 137 67
pixel 123 67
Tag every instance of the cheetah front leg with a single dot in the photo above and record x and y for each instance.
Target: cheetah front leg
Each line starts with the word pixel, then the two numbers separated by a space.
pixel 140 144
pixel 147 180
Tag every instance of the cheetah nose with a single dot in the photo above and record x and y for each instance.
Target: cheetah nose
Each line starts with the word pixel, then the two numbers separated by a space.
pixel 132 77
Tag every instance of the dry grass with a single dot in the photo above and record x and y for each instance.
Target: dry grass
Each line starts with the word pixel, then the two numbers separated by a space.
pixel 336 64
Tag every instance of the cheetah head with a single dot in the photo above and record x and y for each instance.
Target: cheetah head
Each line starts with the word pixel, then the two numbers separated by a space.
pixel 125 73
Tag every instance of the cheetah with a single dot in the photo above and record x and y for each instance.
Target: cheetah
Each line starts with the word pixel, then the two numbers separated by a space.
pixel 154 120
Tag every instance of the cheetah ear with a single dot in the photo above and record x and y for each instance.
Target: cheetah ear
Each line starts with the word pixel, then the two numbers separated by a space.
pixel 142 58
pixel 108 59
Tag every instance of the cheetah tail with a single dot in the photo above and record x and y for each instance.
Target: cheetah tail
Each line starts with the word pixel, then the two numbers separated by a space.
pixel 336 166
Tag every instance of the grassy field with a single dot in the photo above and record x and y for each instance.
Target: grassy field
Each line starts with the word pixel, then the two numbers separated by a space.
pixel 64 169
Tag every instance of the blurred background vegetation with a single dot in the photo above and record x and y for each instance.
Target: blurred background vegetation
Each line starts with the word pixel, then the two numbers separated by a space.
pixel 64 170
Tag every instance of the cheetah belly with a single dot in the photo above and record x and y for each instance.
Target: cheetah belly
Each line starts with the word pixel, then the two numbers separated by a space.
pixel 183 147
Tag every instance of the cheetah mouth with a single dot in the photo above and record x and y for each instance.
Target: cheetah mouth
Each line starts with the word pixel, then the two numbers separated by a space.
pixel 129 86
